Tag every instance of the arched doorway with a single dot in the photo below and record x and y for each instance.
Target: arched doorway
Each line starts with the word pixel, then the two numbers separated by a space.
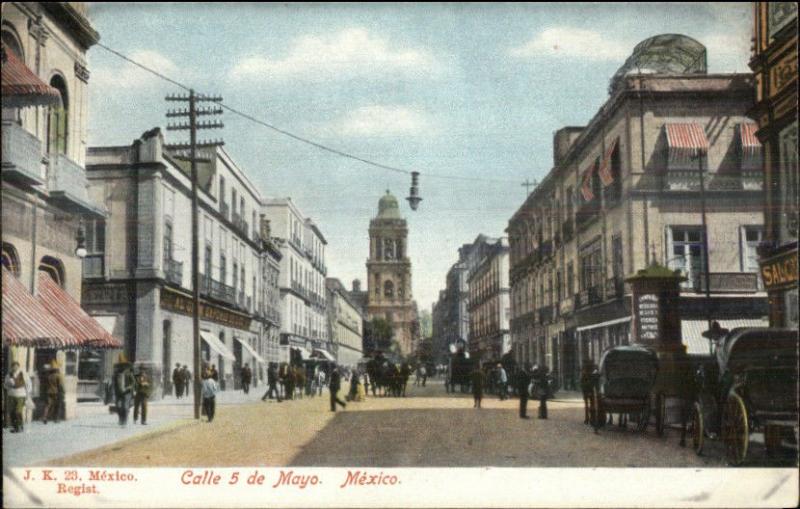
pixel 10 259
pixel 166 357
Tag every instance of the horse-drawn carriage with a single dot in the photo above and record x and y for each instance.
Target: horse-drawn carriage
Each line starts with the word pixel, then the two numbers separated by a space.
pixel 624 383
pixel 751 385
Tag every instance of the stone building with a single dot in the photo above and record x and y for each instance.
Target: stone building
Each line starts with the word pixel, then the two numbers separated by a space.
pixel 628 189
pixel 139 267
pixel 489 305
pixel 44 196
pixel 774 63
pixel 304 324
pixel 345 323
pixel 389 273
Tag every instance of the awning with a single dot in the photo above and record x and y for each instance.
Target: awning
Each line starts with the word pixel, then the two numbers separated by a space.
pixel 66 310
pixel 21 87
pixel 319 352
pixel 108 322
pixel 686 142
pixel 750 146
pixel 606 177
pixel 692 332
pixel 217 345
pixel 251 351
pixel 586 187
pixel 26 322
pixel 604 324
pixel 304 353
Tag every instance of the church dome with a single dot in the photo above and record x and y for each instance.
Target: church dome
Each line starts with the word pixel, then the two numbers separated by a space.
pixel 388 207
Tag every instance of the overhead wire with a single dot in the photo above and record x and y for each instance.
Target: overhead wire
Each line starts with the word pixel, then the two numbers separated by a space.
pixel 296 137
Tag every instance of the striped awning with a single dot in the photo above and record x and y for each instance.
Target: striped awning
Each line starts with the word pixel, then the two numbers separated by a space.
pixel 251 351
pixel 65 309
pixel 751 147
pixel 586 186
pixel 686 142
pixel 217 345
pixel 26 322
pixel 606 176
pixel 692 332
pixel 21 87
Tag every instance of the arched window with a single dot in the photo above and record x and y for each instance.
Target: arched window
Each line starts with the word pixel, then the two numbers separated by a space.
pixel 53 268
pixel 12 45
pixel 10 259
pixel 58 121
pixel 388 289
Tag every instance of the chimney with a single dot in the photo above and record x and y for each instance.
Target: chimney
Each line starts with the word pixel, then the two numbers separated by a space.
pixel 356 285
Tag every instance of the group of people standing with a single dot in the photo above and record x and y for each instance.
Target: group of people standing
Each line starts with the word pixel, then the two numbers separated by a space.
pixel 290 382
pixel 131 389
pixel 181 380
pixel 528 381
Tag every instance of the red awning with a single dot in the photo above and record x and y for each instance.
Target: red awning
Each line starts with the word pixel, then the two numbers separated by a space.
pixel 686 142
pixel 751 147
pixel 67 311
pixel 586 187
pixel 26 322
pixel 605 165
pixel 21 87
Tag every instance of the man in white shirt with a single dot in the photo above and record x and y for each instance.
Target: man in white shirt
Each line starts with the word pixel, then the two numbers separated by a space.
pixel 18 387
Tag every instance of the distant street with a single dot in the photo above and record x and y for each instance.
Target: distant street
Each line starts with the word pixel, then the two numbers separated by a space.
pixel 428 428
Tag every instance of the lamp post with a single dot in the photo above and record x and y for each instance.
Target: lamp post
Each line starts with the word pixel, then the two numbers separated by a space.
pixel 706 272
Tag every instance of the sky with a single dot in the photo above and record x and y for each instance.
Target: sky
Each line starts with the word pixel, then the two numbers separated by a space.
pixel 459 90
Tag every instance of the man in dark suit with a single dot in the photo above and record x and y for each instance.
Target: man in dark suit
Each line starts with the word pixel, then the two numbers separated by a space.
pixel 333 387
pixel 522 381
pixel 177 380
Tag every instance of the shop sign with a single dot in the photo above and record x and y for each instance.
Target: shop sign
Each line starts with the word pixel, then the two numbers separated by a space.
pixel 182 304
pixel 104 294
pixel 648 317
pixel 780 272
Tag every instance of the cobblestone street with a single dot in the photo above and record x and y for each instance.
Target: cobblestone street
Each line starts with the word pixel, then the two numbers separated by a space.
pixel 428 428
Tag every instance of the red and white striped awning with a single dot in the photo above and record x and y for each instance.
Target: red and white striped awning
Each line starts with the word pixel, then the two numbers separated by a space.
pixel 83 327
pixel 751 147
pixel 686 142
pixel 21 87
pixel 606 176
pixel 26 322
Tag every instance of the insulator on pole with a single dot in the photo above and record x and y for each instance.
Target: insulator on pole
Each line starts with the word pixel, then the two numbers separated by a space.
pixel 414 198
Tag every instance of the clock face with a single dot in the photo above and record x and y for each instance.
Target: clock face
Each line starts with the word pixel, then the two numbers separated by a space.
pixel 779 15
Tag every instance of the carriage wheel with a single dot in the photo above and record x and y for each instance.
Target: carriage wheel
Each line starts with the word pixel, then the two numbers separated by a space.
pixel 698 428
pixel 735 429
pixel 661 414
pixel 644 417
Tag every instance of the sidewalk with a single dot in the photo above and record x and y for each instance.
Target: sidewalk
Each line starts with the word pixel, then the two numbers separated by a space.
pixel 95 427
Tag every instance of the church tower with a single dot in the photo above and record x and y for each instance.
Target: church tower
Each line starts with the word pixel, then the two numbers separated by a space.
pixel 389 272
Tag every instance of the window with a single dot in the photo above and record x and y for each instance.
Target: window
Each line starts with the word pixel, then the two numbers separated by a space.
pixel 686 252
pixel 616 257
pixel 12 44
pixel 388 289
pixel 208 262
pixel 223 268
pixel 167 243
pixel 58 121
pixel 53 268
pixel 234 272
pixel 10 259
pixel 591 270
pixel 751 237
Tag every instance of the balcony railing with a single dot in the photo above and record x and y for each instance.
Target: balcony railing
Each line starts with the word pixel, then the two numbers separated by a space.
pixel 93 265
pixel 224 209
pixel 216 290
pixel 173 271
pixel 726 282
pixel 587 213
pixel 22 155
pixel 689 180
pixel 615 288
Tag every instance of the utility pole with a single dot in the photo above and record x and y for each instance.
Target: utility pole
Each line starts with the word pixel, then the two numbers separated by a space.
pixel 180 149
pixel 527 185
pixel 707 271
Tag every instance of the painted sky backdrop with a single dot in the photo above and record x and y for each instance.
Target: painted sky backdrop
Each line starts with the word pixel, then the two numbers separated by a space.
pixel 473 90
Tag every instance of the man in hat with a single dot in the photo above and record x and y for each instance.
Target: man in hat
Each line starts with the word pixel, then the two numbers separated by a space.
pixel 187 380
pixel 502 381
pixel 333 388
pixel 18 387
pixel 177 380
pixel 272 384
pixel 54 388
pixel 123 387
pixel 523 380
pixel 142 388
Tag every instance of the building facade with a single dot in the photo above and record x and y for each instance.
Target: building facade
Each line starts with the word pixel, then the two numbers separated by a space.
pixel 304 324
pixel 139 266
pixel 389 273
pixel 345 322
pixel 489 305
pixel 774 63
pixel 44 195
pixel 628 190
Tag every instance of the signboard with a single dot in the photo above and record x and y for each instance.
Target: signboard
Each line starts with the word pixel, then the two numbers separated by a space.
pixel 179 303
pixel 648 317
pixel 780 272
pixel 104 294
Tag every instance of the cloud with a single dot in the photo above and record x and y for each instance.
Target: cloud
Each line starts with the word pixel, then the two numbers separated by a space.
pixel 568 42
pixel 727 52
pixel 129 76
pixel 382 120
pixel 352 52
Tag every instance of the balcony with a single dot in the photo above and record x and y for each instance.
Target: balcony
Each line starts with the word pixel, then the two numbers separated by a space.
pixel 689 181
pixel 241 301
pixel 66 183
pixel 224 210
pixel 726 282
pixel 615 288
pixel 173 271
pixel 216 290
pixel 93 266
pixel 22 155
pixel 587 213
pixel 545 314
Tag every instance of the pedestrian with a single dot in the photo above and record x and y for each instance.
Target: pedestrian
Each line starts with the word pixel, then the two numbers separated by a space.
pixel 187 380
pixel 177 380
pixel 333 388
pixel 123 388
pixel 272 384
pixel 209 389
pixel 18 387
pixel 424 374
pixel 587 387
pixel 247 376
pixel 214 373
pixel 502 380
pixel 288 382
pixel 522 381
pixel 542 382
pixel 54 389
pixel 300 380
pixel 142 390
pixel 405 374
pixel 478 380
pixel 321 380
pixel 353 394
